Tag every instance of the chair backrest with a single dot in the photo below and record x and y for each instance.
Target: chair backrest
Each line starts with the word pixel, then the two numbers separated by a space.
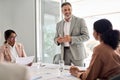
pixel 9 71
pixel 56 58
pixel 117 77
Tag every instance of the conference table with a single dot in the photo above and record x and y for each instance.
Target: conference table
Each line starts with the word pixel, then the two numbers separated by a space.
pixel 50 72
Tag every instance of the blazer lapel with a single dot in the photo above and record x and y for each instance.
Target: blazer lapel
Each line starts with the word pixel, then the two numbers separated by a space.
pixel 72 24
pixel 62 28
pixel 17 49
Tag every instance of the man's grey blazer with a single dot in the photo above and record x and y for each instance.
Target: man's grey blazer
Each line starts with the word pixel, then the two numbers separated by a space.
pixel 79 34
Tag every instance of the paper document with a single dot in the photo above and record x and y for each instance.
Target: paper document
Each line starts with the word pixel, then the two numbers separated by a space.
pixel 24 60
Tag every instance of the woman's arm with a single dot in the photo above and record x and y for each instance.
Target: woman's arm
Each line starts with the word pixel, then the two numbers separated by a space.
pixel 1 55
pixel 92 71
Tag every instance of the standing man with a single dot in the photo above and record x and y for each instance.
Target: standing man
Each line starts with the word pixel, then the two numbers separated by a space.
pixel 71 32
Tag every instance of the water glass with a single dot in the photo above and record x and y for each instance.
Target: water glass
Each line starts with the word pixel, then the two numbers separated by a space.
pixel 61 66
pixel 39 61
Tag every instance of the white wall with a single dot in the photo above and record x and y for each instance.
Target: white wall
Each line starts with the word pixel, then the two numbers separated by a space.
pixel 5 17
pixel 19 15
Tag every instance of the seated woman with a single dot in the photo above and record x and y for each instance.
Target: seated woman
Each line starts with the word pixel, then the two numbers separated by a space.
pixel 11 49
pixel 105 61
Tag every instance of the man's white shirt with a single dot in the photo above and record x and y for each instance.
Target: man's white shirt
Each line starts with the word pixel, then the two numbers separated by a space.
pixel 67 30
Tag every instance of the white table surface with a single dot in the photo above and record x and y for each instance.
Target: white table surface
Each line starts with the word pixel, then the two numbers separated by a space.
pixel 50 72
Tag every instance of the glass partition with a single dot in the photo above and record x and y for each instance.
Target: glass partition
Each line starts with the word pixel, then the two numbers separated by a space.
pixel 50 14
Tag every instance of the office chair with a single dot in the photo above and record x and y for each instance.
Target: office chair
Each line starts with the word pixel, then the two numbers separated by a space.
pixel 56 58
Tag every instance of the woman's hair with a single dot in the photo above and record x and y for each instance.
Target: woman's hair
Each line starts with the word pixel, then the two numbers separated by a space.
pixel 7 34
pixel 108 35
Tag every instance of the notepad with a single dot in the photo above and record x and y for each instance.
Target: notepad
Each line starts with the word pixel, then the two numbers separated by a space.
pixel 24 60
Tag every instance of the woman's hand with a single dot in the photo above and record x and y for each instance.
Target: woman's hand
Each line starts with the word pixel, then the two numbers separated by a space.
pixel 74 71
pixel 30 64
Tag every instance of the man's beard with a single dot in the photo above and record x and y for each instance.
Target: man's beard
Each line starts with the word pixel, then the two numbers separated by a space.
pixel 68 17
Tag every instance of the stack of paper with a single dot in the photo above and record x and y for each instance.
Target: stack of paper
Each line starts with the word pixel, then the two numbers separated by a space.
pixel 24 60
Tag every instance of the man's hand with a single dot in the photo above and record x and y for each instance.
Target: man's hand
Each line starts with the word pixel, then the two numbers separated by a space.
pixel 67 38
pixel 60 40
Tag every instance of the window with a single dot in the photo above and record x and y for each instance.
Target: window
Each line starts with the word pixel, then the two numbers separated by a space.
pixel 48 15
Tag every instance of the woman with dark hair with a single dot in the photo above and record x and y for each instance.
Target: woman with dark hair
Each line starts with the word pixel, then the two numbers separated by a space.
pixel 11 49
pixel 105 61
